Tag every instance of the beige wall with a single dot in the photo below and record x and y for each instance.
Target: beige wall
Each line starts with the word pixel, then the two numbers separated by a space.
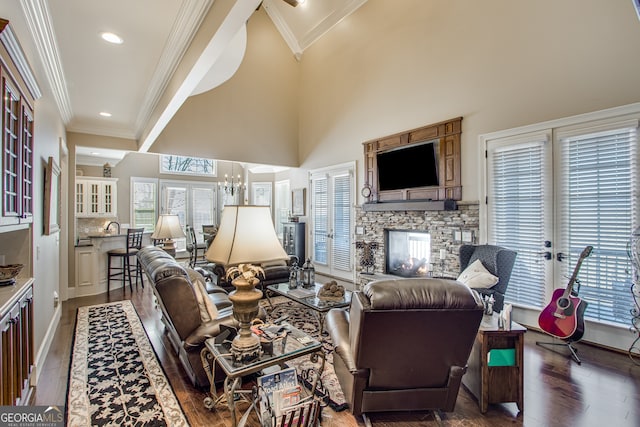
pixel 253 116
pixel 497 63
pixel 46 251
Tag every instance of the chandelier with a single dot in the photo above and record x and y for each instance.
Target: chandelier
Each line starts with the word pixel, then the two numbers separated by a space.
pixel 233 185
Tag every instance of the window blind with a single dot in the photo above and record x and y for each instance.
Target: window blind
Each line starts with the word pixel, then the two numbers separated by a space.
pixel 516 212
pixel 341 248
pixel 598 183
pixel 320 209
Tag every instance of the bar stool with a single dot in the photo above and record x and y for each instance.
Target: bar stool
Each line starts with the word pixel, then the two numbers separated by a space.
pixel 134 243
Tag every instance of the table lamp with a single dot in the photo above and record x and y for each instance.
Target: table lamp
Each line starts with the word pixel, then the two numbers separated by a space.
pixel 168 228
pixel 246 235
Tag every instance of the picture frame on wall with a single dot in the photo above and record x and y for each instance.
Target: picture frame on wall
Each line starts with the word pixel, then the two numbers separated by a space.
pixel 298 202
pixel 51 197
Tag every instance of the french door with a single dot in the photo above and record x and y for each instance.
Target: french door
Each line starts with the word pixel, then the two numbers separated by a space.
pixel 549 195
pixel 332 221
pixel 193 202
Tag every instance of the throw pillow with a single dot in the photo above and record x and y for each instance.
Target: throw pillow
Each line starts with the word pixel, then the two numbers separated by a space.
pixel 208 310
pixel 477 276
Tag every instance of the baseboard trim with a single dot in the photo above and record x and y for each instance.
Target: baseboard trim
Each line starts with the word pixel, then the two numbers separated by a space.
pixel 43 351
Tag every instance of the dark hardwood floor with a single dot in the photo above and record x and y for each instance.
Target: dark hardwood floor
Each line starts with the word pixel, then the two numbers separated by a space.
pixel 604 390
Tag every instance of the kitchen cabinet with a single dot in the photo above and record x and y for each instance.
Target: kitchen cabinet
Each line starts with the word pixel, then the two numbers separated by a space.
pixel 17 152
pixel 91 262
pixel 85 266
pixel 16 344
pixel 96 197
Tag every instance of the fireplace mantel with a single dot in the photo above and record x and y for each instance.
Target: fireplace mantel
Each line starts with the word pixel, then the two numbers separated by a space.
pixel 426 205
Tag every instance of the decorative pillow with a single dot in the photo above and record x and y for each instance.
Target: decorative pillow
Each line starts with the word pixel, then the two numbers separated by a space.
pixel 477 276
pixel 208 310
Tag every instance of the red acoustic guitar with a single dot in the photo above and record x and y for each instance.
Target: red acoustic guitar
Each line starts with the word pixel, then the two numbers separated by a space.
pixel 564 316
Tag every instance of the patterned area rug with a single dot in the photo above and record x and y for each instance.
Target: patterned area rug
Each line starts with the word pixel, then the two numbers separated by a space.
pixel 115 377
pixel 304 319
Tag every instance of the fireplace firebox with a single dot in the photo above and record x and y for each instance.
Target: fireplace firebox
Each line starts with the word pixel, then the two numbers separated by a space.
pixel 407 252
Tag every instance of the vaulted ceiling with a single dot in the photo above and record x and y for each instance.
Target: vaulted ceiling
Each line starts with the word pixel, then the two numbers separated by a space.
pixel 116 90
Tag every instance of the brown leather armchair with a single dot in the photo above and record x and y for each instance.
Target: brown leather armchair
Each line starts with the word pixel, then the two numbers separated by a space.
pixel 404 344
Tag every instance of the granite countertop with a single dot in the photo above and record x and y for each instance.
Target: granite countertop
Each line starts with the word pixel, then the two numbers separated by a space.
pixel 86 240
pixel 102 235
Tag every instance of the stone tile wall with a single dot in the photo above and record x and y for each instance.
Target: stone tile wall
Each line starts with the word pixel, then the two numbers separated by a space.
pixel 440 224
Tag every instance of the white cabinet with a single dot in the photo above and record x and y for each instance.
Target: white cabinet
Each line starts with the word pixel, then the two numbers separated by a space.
pixel 85 266
pixel 96 197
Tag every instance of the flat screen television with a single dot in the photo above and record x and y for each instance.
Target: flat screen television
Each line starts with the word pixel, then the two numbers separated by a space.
pixel 408 167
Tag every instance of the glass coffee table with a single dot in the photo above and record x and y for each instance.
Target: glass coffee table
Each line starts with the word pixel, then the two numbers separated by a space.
pixel 295 343
pixel 309 299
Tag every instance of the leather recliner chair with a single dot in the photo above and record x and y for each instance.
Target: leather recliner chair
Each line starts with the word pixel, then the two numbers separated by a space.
pixel 404 344
pixel 182 312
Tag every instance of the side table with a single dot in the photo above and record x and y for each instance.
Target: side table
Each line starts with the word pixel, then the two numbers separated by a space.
pixel 294 344
pixel 495 370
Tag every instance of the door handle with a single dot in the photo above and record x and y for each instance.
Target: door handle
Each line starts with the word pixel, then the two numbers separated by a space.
pixel 560 256
pixel 546 255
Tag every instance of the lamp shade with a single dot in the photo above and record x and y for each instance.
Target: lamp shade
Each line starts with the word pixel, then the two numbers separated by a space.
pixel 246 235
pixel 168 227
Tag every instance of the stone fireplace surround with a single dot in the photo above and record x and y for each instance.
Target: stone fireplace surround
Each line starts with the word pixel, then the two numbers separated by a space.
pixel 441 225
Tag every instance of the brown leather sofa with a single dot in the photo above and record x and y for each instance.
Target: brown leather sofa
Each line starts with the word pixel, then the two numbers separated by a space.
pixel 182 312
pixel 404 344
pixel 274 272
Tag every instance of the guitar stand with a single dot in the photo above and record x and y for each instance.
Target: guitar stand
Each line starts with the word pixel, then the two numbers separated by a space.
pixel 572 349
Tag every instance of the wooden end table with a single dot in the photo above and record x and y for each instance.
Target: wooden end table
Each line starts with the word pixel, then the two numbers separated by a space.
pixel 500 380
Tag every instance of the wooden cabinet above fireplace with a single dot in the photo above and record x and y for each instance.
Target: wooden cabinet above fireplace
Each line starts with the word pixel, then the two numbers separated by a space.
pixel 407 157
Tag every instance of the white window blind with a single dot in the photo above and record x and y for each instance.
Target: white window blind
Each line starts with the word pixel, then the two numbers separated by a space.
pixel 598 183
pixel 320 203
pixel 342 223
pixel 516 210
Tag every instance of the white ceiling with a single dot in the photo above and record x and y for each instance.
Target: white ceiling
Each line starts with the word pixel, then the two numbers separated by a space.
pixel 90 76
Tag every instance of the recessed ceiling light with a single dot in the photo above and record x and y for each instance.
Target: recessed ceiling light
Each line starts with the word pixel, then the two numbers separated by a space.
pixel 95 153
pixel 111 38
pixel 105 114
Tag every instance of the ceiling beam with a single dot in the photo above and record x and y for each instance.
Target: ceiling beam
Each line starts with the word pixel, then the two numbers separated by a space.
pixel 225 19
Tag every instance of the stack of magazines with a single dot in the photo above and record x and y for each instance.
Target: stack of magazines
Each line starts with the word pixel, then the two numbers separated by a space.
pixel 281 402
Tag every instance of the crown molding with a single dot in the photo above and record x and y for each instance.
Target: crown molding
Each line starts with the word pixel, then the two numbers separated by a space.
pixel 110 132
pixel 11 43
pixel 329 22
pixel 184 29
pixel 298 46
pixel 283 28
pixel 41 27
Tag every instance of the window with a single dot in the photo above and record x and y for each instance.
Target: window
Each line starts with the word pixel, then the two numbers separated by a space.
pixel 520 207
pixel 193 202
pixel 187 165
pixel 553 191
pixel 282 205
pixel 332 220
pixel 261 193
pixel 597 176
pixel 144 202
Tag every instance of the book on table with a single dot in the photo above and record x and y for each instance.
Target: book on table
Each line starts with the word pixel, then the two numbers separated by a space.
pixel 302 293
